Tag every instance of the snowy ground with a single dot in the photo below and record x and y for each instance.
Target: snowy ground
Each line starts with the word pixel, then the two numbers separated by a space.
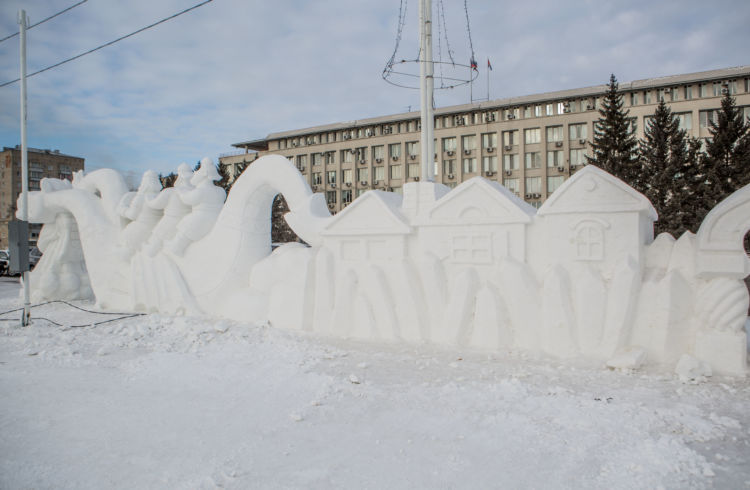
pixel 180 402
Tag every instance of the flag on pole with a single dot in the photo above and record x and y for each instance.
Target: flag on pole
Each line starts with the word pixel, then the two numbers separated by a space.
pixel 489 65
pixel 474 65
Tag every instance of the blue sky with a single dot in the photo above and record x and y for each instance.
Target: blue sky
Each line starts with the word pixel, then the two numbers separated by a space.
pixel 236 70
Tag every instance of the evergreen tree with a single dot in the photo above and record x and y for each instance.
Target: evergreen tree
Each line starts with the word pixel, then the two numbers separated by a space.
pixel 667 173
pixel 280 230
pixel 727 159
pixel 614 146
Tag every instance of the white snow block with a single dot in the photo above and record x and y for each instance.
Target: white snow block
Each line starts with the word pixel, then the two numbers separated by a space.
pixel 628 359
pixel 559 331
pixel 691 369
pixel 725 352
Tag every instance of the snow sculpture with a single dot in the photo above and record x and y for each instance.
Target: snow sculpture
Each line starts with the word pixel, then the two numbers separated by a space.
pixel 476 266
pixel 205 200
pixel 142 218
pixel 170 202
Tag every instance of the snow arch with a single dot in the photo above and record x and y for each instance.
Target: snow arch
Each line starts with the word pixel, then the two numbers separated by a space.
pixel 720 249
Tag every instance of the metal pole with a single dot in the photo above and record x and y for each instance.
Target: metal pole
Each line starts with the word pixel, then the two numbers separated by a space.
pixel 22 21
pixel 429 172
pixel 427 88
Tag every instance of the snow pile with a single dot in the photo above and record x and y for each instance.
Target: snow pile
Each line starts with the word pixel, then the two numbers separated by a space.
pixel 189 402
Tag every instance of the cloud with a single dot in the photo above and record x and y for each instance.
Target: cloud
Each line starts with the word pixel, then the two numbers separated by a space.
pixel 235 70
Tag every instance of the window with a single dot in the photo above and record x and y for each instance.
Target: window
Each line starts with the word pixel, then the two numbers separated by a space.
pixel 347 175
pixel 554 182
pixel 470 165
pixel 577 157
pixel 533 185
pixel 510 138
pixel 379 173
pixel 510 162
pixel 317 178
pixel 395 171
pixel 394 150
pixel 489 164
pixel 330 157
pixel 449 144
pixel 512 113
pixel 674 94
pixel 359 192
pixel 589 241
pixel 331 197
pixel 533 159
pixel 526 112
pixel 302 161
pixel 716 88
pixel 685 120
pixel 378 153
pixel 317 158
pixel 578 131
pixel 468 142
pixel 561 107
pixel 707 117
pixel 549 110
pixel 532 135
pixel 512 185
pixel 471 248
pixel 412 148
pixel 661 94
pixel 633 98
pixel 489 140
pixel 331 177
pixel 555 158
pixel 688 92
pixel 363 174
pixel 554 133
pixel 413 170
pixel 632 123
pixel 449 167
pixel 703 90
pixel 647 97
pixel 537 111
pixel 347 156
pixel 346 196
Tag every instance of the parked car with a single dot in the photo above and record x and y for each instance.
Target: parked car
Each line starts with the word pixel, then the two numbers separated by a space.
pixel 4 262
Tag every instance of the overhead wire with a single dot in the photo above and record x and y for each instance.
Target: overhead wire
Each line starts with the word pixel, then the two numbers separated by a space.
pixel 45 20
pixel 122 316
pixel 110 43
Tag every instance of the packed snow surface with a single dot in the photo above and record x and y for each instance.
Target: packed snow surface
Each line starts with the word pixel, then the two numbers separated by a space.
pixel 188 402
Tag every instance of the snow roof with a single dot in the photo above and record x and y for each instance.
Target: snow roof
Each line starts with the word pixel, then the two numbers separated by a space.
pixel 480 201
pixel 373 213
pixel 592 190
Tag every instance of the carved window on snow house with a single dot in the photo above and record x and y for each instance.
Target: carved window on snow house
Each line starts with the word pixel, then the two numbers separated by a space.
pixel 589 240
pixel 471 248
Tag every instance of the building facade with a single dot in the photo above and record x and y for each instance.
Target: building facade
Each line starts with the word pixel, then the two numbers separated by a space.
pixel 530 144
pixel 42 163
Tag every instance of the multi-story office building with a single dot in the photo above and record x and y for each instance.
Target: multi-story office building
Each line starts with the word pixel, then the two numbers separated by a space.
pixel 42 163
pixel 529 144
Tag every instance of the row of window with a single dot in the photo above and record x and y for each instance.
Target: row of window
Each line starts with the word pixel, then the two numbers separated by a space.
pixel 533 160
pixel 668 94
pixel 532 189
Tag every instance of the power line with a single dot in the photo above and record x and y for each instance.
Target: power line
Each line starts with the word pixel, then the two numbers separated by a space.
pixel 45 20
pixel 110 43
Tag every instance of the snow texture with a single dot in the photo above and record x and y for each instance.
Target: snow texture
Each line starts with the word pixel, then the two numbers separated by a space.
pixel 581 278
pixel 197 402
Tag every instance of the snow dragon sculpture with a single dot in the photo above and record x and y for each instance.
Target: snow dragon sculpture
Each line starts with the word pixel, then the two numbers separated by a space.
pixel 475 266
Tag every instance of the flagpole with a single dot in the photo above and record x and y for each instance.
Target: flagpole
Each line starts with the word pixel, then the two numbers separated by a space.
pixel 488 79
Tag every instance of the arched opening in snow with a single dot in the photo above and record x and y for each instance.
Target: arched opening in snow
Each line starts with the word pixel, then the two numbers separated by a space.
pixel 281 232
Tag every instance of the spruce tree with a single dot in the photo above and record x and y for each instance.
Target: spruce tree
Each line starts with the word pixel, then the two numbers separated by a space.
pixel 727 159
pixel 614 146
pixel 667 173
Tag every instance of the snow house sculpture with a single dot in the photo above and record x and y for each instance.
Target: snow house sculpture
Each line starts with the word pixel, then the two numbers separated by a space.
pixel 476 266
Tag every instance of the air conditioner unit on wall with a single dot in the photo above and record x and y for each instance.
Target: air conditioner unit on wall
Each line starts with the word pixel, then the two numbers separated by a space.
pixel 451 153
pixel 416 179
pixel 395 158
pixel 451 176
pixel 490 173
pixel 363 183
pixel 333 185
pixel 467 152
pixel 508 172
pixel 379 160
pixel 508 147
pixel 561 169
pixel 582 141
pixel 558 144
pixel 490 149
pixel 413 157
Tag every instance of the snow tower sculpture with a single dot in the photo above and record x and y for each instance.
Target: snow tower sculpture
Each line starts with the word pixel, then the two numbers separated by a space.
pixel 475 266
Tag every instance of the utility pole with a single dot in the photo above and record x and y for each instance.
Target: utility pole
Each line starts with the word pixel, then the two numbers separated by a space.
pixel 23 22
pixel 427 89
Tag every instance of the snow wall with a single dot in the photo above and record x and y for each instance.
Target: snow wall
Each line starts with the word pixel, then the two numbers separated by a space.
pixel 474 266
